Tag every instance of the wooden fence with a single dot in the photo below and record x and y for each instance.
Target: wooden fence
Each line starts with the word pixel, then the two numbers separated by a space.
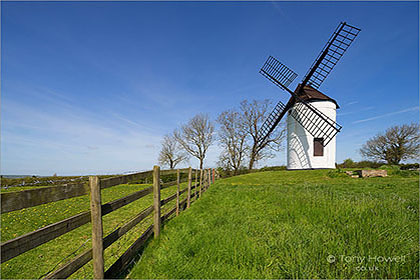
pixel 23 199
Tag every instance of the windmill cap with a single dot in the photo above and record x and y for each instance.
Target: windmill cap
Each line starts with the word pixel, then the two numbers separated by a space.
pixel 311 94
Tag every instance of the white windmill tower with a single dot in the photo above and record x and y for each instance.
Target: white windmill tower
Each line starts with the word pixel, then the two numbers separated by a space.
pixel 311 120
pixel 304 151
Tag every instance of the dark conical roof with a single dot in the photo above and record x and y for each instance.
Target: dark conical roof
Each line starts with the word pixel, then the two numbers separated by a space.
pixel 311 94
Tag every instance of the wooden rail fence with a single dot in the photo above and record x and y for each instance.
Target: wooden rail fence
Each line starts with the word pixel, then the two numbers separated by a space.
pixel 28 198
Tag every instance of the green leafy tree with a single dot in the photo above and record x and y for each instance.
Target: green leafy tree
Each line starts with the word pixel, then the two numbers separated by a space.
pixel 348 163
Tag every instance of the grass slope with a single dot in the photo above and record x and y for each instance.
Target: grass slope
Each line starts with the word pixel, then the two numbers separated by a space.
pixel 287 224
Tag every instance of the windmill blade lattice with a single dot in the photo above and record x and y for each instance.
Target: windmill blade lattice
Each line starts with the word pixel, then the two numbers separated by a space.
pixel 336 46
pixel 271 122
pixel 314 121
pixel 278 73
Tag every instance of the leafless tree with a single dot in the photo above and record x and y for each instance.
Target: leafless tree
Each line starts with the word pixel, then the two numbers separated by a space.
pixel 253 115
pixel 196 136
pixel 171 153
pixel 232 137
pixel 396 144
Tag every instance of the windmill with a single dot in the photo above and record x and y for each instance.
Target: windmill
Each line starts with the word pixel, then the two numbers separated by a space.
pixel 311 125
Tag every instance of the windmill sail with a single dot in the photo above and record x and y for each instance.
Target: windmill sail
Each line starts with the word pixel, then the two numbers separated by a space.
pixel 313 120
pixel 281 75
pixel 336 46
pixel 271 122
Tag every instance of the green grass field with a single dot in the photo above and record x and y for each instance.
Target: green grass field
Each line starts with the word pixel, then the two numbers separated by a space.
pixel 292 224
pixel 38 261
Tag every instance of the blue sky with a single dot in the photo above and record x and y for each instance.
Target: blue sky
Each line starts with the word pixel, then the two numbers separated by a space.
pixel 91 87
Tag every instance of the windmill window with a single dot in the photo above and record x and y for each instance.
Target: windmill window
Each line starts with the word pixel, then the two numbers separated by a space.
pixel 318 147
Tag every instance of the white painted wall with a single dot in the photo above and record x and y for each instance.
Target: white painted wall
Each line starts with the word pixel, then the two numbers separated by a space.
pixel 300 143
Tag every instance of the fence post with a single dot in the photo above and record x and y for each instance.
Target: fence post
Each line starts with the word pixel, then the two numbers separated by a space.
pixel 177 192
pixel 97 230
pixel 201 182
pixel 209 177
pixel 196 186
pixel 156 200
pixel 214 173
pixel 206 180
pixel 189 187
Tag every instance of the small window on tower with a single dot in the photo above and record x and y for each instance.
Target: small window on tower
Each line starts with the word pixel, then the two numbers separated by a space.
pixel 318 147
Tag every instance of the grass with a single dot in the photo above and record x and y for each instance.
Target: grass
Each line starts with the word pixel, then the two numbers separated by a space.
pixel 292 224
pixel 40 260
pixel 26 183
pixel 18 189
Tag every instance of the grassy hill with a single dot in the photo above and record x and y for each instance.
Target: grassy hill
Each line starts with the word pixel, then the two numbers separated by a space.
pixel 292 224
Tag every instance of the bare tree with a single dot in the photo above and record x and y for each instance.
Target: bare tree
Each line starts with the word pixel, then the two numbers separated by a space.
pixel 253 115
pixel 196 136
pixel 396 144
pixel 232 138
pixel 171 153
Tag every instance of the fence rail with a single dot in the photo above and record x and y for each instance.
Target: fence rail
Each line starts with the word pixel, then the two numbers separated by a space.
pixel 12 201
pixel 30 198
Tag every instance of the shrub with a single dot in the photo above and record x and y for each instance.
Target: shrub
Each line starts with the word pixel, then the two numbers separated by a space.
pixel 395 170
pixel 368 164
pixel 409 166
pixel 387 167
pixel 272 168
pixel 228 173
pixel 349 163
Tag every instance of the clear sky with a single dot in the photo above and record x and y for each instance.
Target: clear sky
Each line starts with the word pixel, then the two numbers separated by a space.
pixel 91 87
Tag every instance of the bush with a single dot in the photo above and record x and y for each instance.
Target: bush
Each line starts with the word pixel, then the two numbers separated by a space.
pixel 222 172
pixel 349 163
pixel 172 177
pixel 409 166
pixel 392 169
pixel 396 171
pixel 368 164
pixel 272 168
pixel 164 178
pixel 228 173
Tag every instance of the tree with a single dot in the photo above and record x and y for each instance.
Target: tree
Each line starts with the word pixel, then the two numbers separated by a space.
pixel 253 115
pixel 196 136
pixel 232 137
pixel 171 153
pixel 396 144
pixel 348 163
